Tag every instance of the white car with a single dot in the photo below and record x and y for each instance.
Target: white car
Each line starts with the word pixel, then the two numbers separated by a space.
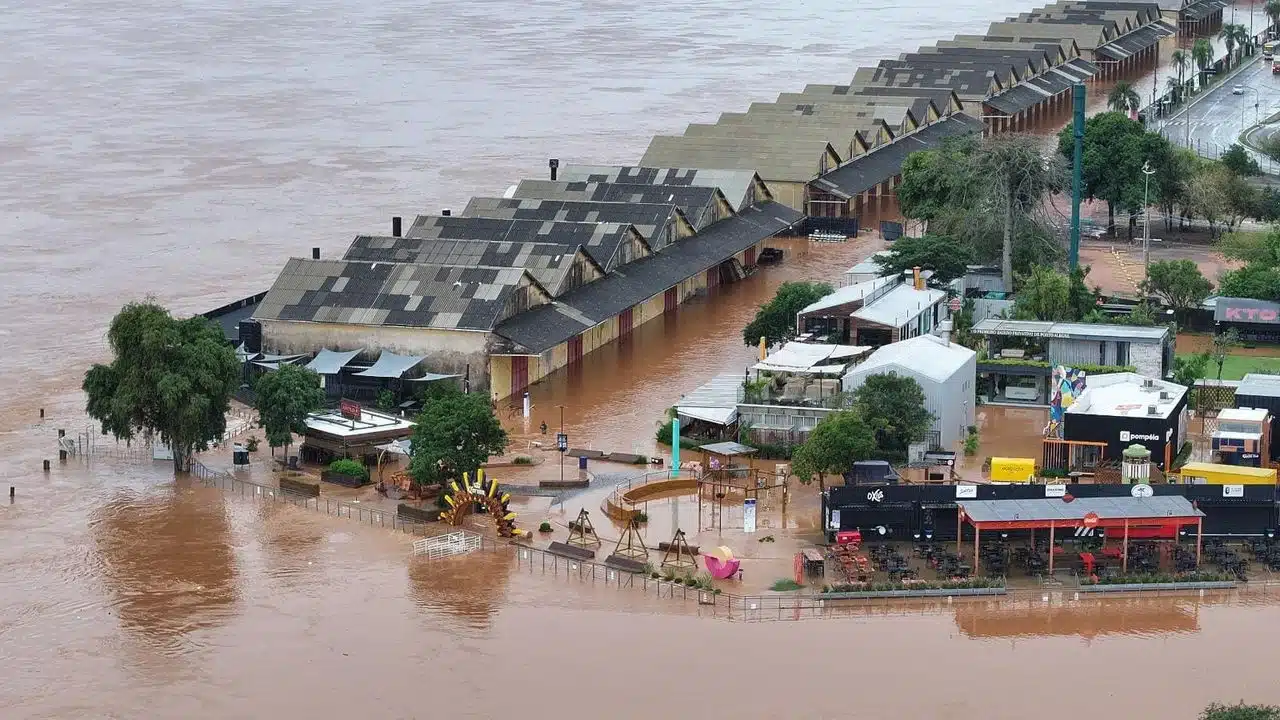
pixel 1237 90
pixel 1026 389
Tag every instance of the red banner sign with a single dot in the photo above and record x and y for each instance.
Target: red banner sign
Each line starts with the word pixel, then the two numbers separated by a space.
pixel 1091 520
pixel 350 409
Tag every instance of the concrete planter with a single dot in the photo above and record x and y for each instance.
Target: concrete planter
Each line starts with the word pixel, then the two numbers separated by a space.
pixel 351 481
pixel 1149 587
pixel 299 487
pixel 409 512
pixel 868 594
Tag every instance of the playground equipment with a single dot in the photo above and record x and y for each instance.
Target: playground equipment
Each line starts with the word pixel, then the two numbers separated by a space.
pixel 458 542
pixel 582 533
pixel 684 558
pixel 630 554
pixel 721 563
pixel 483 493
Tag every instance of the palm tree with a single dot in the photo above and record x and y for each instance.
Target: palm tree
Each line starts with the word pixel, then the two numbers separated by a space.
pixel 1123 98
pixel 1272 9
pixel 1174 86
pixel 1202 56
pixel 1233 35
pixel 1179 59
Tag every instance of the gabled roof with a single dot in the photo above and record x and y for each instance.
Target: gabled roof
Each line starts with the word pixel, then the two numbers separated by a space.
pixel 429 296
pixel 863 173
pixel 773 158
pixel 542 328
pixel 968 83
pixel 1136 41
pixel 549 263
pixel 697 202
pixel 900 306
pixel 602 241
pixel 659 223
pixel 928 355
pixel 742 187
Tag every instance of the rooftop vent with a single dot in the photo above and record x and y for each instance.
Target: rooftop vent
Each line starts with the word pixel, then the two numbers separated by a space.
pixel 1164 395
pixel 1152 410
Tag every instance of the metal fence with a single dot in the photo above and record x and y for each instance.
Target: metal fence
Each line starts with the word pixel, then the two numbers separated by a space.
pixel 373 517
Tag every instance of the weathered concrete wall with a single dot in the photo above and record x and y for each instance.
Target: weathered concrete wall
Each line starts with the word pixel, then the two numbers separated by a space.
pixel 446 351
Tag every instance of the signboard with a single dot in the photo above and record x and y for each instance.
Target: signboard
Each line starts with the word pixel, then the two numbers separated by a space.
pixel 876 495
pixel 834 522
pixel 1090 519
pixel 1142 490
pixel 1012 469
pixel 955 304
pixel 1245 310
pixel 350 409
pixel 1126 436
pixel 966 492
pixel 1056 490
pixel 562 442
pixel 161 451
pixel 1232 491
pixel 749 515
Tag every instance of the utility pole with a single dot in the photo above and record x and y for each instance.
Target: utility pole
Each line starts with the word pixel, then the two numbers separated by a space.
pixel 562 444
pixel 1077 159
pixel 1146 230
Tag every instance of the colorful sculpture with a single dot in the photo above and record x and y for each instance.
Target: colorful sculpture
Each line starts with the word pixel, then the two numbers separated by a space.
pixel 721 563
pixel 1068 384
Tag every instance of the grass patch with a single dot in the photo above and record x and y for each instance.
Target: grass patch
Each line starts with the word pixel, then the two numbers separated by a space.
pixel 1237 366
pixel 785 585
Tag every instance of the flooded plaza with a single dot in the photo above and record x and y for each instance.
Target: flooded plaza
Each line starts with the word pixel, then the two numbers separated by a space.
pixel 184 151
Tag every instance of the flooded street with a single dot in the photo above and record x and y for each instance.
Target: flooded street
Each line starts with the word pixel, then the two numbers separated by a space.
pixel 184 150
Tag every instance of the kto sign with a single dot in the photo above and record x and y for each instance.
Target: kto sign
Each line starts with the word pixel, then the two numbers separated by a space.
pixel 1251 314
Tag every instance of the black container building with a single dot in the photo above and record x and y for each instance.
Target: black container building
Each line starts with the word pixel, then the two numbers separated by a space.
pixel 1262 392
pixel 1123 409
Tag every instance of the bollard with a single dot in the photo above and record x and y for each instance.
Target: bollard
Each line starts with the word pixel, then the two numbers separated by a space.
pixel 41 413
pixel 62 456
pixel 11 491
pixel 46 466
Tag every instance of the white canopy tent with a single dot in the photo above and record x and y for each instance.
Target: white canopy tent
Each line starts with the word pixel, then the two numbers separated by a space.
pixel 812 359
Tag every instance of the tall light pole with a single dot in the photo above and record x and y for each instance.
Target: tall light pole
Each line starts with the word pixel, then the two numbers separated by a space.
pixel 562 443
pixel 1146 230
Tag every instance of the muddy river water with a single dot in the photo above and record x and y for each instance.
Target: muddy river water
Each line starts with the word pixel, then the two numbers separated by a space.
pixel 183 150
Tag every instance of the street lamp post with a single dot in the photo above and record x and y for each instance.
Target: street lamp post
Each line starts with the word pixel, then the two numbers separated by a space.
pixel 1146 229
pixel 562 444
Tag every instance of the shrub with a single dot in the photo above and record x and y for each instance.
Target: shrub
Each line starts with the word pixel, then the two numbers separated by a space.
pixel 522 460
pixel 971 444
pixel 545 527
pixel 969 584
pixel 350 468
pixel 785 585
pixel 641 516
pixel 251 444
pixel 1161 578
pixel 1240 711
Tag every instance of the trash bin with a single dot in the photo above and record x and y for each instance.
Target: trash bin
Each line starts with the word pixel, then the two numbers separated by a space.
pixel 239 455
pixel 582 463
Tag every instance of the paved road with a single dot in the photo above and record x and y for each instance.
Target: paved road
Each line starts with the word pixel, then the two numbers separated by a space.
pixel 1218 118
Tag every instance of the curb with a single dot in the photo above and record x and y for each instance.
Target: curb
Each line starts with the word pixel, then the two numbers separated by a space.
pixel 1204 94
pixel 871 594
pixel 1155 587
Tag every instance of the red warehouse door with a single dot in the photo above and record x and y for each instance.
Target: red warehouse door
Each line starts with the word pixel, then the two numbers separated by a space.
pixel 749 257
pixel 575 350
pixel 669 300
pixel 519 374
pixel 625 319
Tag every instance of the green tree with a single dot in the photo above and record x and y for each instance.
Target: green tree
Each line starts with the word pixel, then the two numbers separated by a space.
pixel 1255 280
pixel 1179 283
pixel 838 441
pixel 1180 60
pixel 934 180
pixel 1240 711
pixel 1252 247
pixel 1187 369
pixel 1115 149
pixel 1202 56
pixel 1233 35
pixel 170 378
pixel 893 407
pixel 962 323
pixel 775 321
pixel 1239 161
pixel 1015 178
pixel 1123 98
pixel 1045 295
pixel 946 257
pixel 1272 9
pixel 1221 197
pixel 284 399
pixel 457 432
pixel 1223 344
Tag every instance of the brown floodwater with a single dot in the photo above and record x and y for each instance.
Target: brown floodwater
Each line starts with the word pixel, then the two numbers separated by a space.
pixel 184 150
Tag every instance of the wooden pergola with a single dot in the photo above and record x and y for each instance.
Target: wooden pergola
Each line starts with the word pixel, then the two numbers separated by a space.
pixel 1122 513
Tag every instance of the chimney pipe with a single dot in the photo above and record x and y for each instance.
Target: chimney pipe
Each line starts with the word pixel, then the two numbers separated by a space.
pixel 315 253
pixel 395 226
pixel 446 212
pixel 554 164
pixel 917 279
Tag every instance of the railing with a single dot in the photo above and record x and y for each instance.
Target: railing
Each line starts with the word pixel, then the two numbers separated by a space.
pixel 374 517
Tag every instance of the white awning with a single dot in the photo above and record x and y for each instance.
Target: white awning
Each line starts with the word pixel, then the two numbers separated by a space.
pixel 329 362
pixel 391 365
pixel 429 376
pixel 715 402
pixel 811 358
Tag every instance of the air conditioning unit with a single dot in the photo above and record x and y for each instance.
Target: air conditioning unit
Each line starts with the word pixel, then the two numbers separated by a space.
pixel 1152 410
pixel 1164 395
pixel 1148 383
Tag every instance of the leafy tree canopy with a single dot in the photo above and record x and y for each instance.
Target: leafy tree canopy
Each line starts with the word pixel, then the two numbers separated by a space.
pixel 776 320
pixel 1179 283
pixel 1045 295
pixel 1252 247
pixel 933 181
pixel 170 378
pixel 893 407
pixel 1240 711
pixel 284 398
pixel 946 257
pixel 1187 369
pixel 835 444
pixel 1114 151
pixel 1239 161
pixel 1255 280
pixel 456 433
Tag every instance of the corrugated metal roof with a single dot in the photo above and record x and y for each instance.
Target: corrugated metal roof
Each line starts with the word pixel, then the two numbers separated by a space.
pixel 1082 331
pixel 1054 509
pixel 1259 385
pixel 697 202
pixel 851 293
pixel 647 218
pixel 900 306
pixel 601 240
pixel 715 401
pixel 928 355
pixel 773 158
pixel 869 170
pixel 1136 41
pixel 733 183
